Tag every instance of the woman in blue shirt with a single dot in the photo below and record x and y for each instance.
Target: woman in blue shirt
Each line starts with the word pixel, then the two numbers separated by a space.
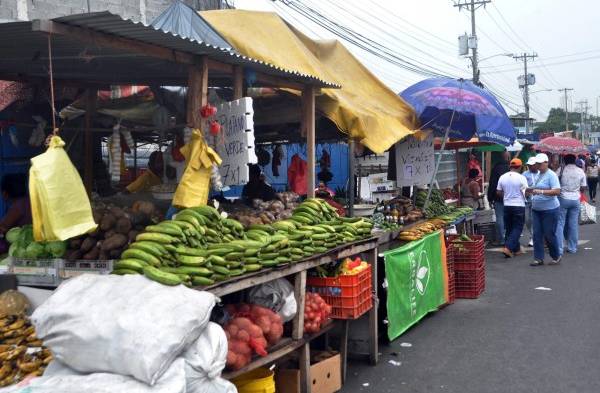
pixel 546 210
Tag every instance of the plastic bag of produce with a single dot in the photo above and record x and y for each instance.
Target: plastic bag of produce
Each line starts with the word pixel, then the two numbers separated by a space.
pixel 277 295
pixel 60 207
pixel 58 377
pixel 205 360
pixel 121 324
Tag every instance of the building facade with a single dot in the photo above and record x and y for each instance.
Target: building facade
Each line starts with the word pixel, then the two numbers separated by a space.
pixel 139 10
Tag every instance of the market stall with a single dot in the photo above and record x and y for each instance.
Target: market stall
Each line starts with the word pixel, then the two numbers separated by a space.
pixel 200 247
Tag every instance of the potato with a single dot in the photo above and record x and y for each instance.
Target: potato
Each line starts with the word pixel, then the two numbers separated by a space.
pixel 132 235
pixel 123 226
pixel 75 243
pixel 92 254
pixel 117 212
pixel 115 241
pixel 73 255
pixel 107 222
pixel 88 244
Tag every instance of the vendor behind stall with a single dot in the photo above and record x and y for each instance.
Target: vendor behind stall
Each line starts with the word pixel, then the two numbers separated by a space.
pixel 471 194
pixel 325 193
pixel 257 188
pixel 14 192
pixel 152 176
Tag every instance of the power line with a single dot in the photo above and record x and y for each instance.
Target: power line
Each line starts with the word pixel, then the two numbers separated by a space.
pixel 359 40
pixel 386 32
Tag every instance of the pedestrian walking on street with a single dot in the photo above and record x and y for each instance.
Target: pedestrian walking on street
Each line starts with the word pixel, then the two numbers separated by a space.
pixel 498 170
pixel 572 185
pixel 531 174
pixel 546 210
pixel 591 173
pixel 511 188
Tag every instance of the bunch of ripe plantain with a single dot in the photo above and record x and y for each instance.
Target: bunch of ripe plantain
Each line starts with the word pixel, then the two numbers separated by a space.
pixel 21 353
pixel 417 232
pixel 199 247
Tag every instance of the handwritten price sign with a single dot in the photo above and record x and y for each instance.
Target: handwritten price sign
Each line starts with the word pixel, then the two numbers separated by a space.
pixel 414 161
pixel 235 144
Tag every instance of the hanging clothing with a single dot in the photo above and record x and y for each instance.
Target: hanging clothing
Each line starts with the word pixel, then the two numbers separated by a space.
pixel 277 158
pixel 297 175
pixel 144 182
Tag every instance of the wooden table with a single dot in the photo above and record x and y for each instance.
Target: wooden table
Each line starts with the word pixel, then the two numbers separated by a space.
pixel 299 341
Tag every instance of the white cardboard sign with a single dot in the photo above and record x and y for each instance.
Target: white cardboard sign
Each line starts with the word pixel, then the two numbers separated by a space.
pixel 414 161
pixel 235 142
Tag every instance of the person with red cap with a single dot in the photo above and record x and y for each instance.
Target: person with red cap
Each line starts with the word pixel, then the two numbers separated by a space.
pixel 511 189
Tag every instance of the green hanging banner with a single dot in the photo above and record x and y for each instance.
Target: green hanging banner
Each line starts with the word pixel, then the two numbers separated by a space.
pixel 417 278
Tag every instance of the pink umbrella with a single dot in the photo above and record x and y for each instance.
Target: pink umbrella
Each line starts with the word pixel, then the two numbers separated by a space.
pixel 561 145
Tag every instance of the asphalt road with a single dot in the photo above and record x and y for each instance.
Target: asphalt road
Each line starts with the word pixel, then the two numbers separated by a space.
pixel 512 339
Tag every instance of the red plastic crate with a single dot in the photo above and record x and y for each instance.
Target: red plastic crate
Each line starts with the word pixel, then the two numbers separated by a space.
pixel 349 296
pixel 467 255
pixel 451 288
pixel 469 284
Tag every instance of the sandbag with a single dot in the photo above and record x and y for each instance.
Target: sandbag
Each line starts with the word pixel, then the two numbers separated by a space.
pixel 59 378
pixel 121 324
pixel 205 360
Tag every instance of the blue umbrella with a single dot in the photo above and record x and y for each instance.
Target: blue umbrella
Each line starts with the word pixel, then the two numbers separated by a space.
pixel 459 109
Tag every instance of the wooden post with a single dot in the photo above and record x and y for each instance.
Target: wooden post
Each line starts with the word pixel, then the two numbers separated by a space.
pixel 197 91
pixel 458 182
pixel 90 108
pixel 374 313
pixel 351 173
pixel 305 380
pixel 299 293
pixel 238 82
pixel 135 166
pixel 308 127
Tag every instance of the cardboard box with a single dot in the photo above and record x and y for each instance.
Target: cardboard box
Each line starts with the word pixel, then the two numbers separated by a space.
pixel 325 377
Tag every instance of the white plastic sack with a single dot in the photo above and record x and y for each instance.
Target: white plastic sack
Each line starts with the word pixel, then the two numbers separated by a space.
pixel 59 378
pixel 276 295
pixel 205 360
pixel 121 324
pixel 587 213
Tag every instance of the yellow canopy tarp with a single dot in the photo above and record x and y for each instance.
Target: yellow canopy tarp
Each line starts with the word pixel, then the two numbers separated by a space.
pixel 364 108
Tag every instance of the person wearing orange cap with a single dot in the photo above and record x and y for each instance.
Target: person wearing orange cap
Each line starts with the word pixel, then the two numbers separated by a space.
pixel 511 188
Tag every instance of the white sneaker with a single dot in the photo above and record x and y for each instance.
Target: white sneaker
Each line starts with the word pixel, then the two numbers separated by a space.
pixel 530 244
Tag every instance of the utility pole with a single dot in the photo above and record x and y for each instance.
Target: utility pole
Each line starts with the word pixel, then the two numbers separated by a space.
pixel 566 91
pixel 583 107
pixel 525 57
pixel 472 6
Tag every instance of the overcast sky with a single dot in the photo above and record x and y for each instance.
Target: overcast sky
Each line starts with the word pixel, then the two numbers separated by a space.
pixel 563 34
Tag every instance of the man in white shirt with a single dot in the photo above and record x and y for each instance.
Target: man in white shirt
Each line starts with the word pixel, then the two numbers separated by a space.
pixel 511 188
pixel 572 184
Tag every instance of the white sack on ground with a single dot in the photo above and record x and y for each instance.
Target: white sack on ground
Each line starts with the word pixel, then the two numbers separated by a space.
pixel 205 360
pixel 61 379
pixel 121 324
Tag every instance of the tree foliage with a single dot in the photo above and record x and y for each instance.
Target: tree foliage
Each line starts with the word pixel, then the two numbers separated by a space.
pixel 556 121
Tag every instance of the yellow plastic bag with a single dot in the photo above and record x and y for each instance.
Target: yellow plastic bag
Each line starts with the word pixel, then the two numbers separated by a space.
pixel 60 207
pixel 194 187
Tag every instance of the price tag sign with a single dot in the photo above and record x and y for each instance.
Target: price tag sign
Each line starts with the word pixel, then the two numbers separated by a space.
pixel 235 143
pixel 414 161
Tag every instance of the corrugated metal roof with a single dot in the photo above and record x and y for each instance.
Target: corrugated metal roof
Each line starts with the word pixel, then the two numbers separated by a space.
pixel 24 52
pixel 183 20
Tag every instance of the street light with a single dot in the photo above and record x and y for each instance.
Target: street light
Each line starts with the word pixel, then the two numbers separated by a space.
pixel 496 55
pixel 540 91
